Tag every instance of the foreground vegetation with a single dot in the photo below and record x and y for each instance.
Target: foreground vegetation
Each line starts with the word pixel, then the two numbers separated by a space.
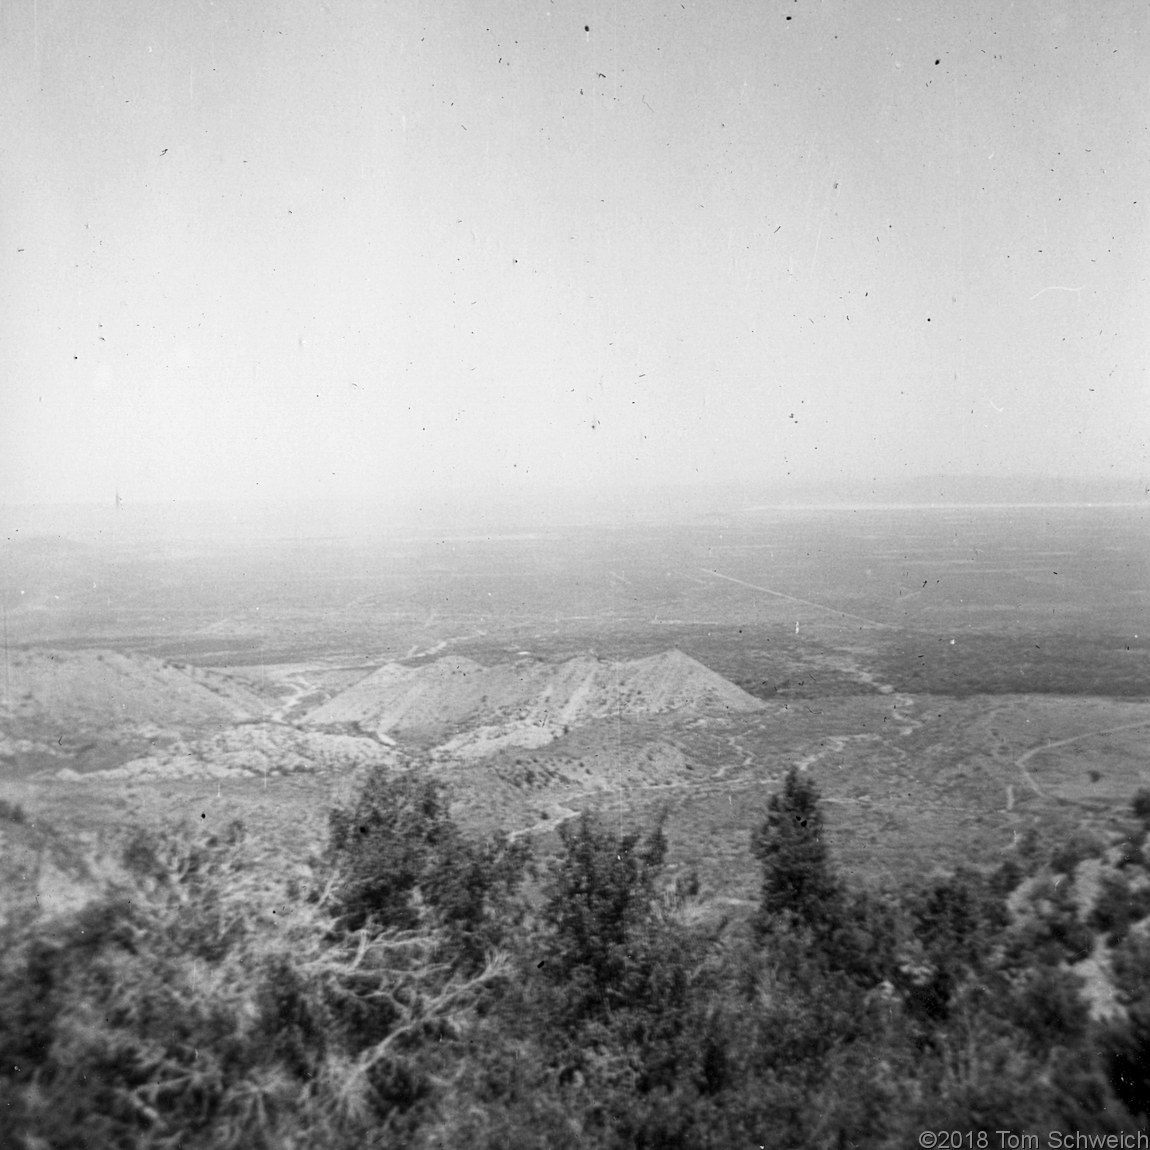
pixel 418 987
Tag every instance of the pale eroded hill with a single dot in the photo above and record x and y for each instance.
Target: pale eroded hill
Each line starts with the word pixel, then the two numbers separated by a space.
pixel 92 709
pixel 525 703
pixel 92 691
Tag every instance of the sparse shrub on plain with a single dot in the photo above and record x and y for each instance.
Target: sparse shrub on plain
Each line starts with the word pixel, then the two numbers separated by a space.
pixel 12 812
pixel 1140 804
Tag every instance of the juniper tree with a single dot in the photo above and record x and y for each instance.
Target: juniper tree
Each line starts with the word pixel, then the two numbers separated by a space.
pixel 600 903
pixel 798 881
pixel 404 862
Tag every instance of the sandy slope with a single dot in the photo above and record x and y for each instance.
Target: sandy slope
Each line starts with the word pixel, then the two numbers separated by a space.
pixel 529 696
pixel 474 712
pixel 94 691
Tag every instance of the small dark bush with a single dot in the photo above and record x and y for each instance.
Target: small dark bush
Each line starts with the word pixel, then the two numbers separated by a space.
pixel 12 812
pixel 1077 848
pixel 1140 804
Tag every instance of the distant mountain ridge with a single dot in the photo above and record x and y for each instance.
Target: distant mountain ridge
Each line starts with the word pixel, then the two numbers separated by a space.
pixel 227 525
pixel 961 489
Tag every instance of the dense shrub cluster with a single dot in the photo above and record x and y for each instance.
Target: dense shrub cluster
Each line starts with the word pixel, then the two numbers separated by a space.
pixel 402 863
pixel 206 1004
pixel 422 988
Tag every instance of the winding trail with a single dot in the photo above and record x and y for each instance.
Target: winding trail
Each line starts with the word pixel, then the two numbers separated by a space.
pixel 1026 756
pixel 900 711
pixel 300 687
pixel 737 748
pixel 442 645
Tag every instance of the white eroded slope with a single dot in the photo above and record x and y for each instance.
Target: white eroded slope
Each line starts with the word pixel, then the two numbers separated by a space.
pixel 527 703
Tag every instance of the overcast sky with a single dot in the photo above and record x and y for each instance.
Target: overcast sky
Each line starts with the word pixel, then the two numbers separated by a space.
pixel 282 249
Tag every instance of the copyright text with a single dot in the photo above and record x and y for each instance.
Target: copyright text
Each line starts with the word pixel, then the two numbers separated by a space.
pixel 1052 1140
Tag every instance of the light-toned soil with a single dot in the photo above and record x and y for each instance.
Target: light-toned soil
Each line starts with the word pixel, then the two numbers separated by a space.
pixel 503 703
pixel 95 690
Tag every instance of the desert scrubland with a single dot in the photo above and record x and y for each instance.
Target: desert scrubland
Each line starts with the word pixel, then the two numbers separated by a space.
pixel 960 695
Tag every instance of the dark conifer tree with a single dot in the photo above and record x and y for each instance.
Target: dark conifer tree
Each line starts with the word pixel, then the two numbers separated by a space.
pixel 600 902
pixel 798 881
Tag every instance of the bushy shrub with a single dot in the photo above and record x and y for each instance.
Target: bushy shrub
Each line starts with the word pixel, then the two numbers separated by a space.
pixel 213 1000
pixel 600 905
pixel 199 1003
pixel 401 862
pixel 382 846
pixel 1113 909
pixel 1047 1007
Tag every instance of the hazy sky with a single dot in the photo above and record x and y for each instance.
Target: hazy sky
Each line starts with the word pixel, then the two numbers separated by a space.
pixel 260 249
